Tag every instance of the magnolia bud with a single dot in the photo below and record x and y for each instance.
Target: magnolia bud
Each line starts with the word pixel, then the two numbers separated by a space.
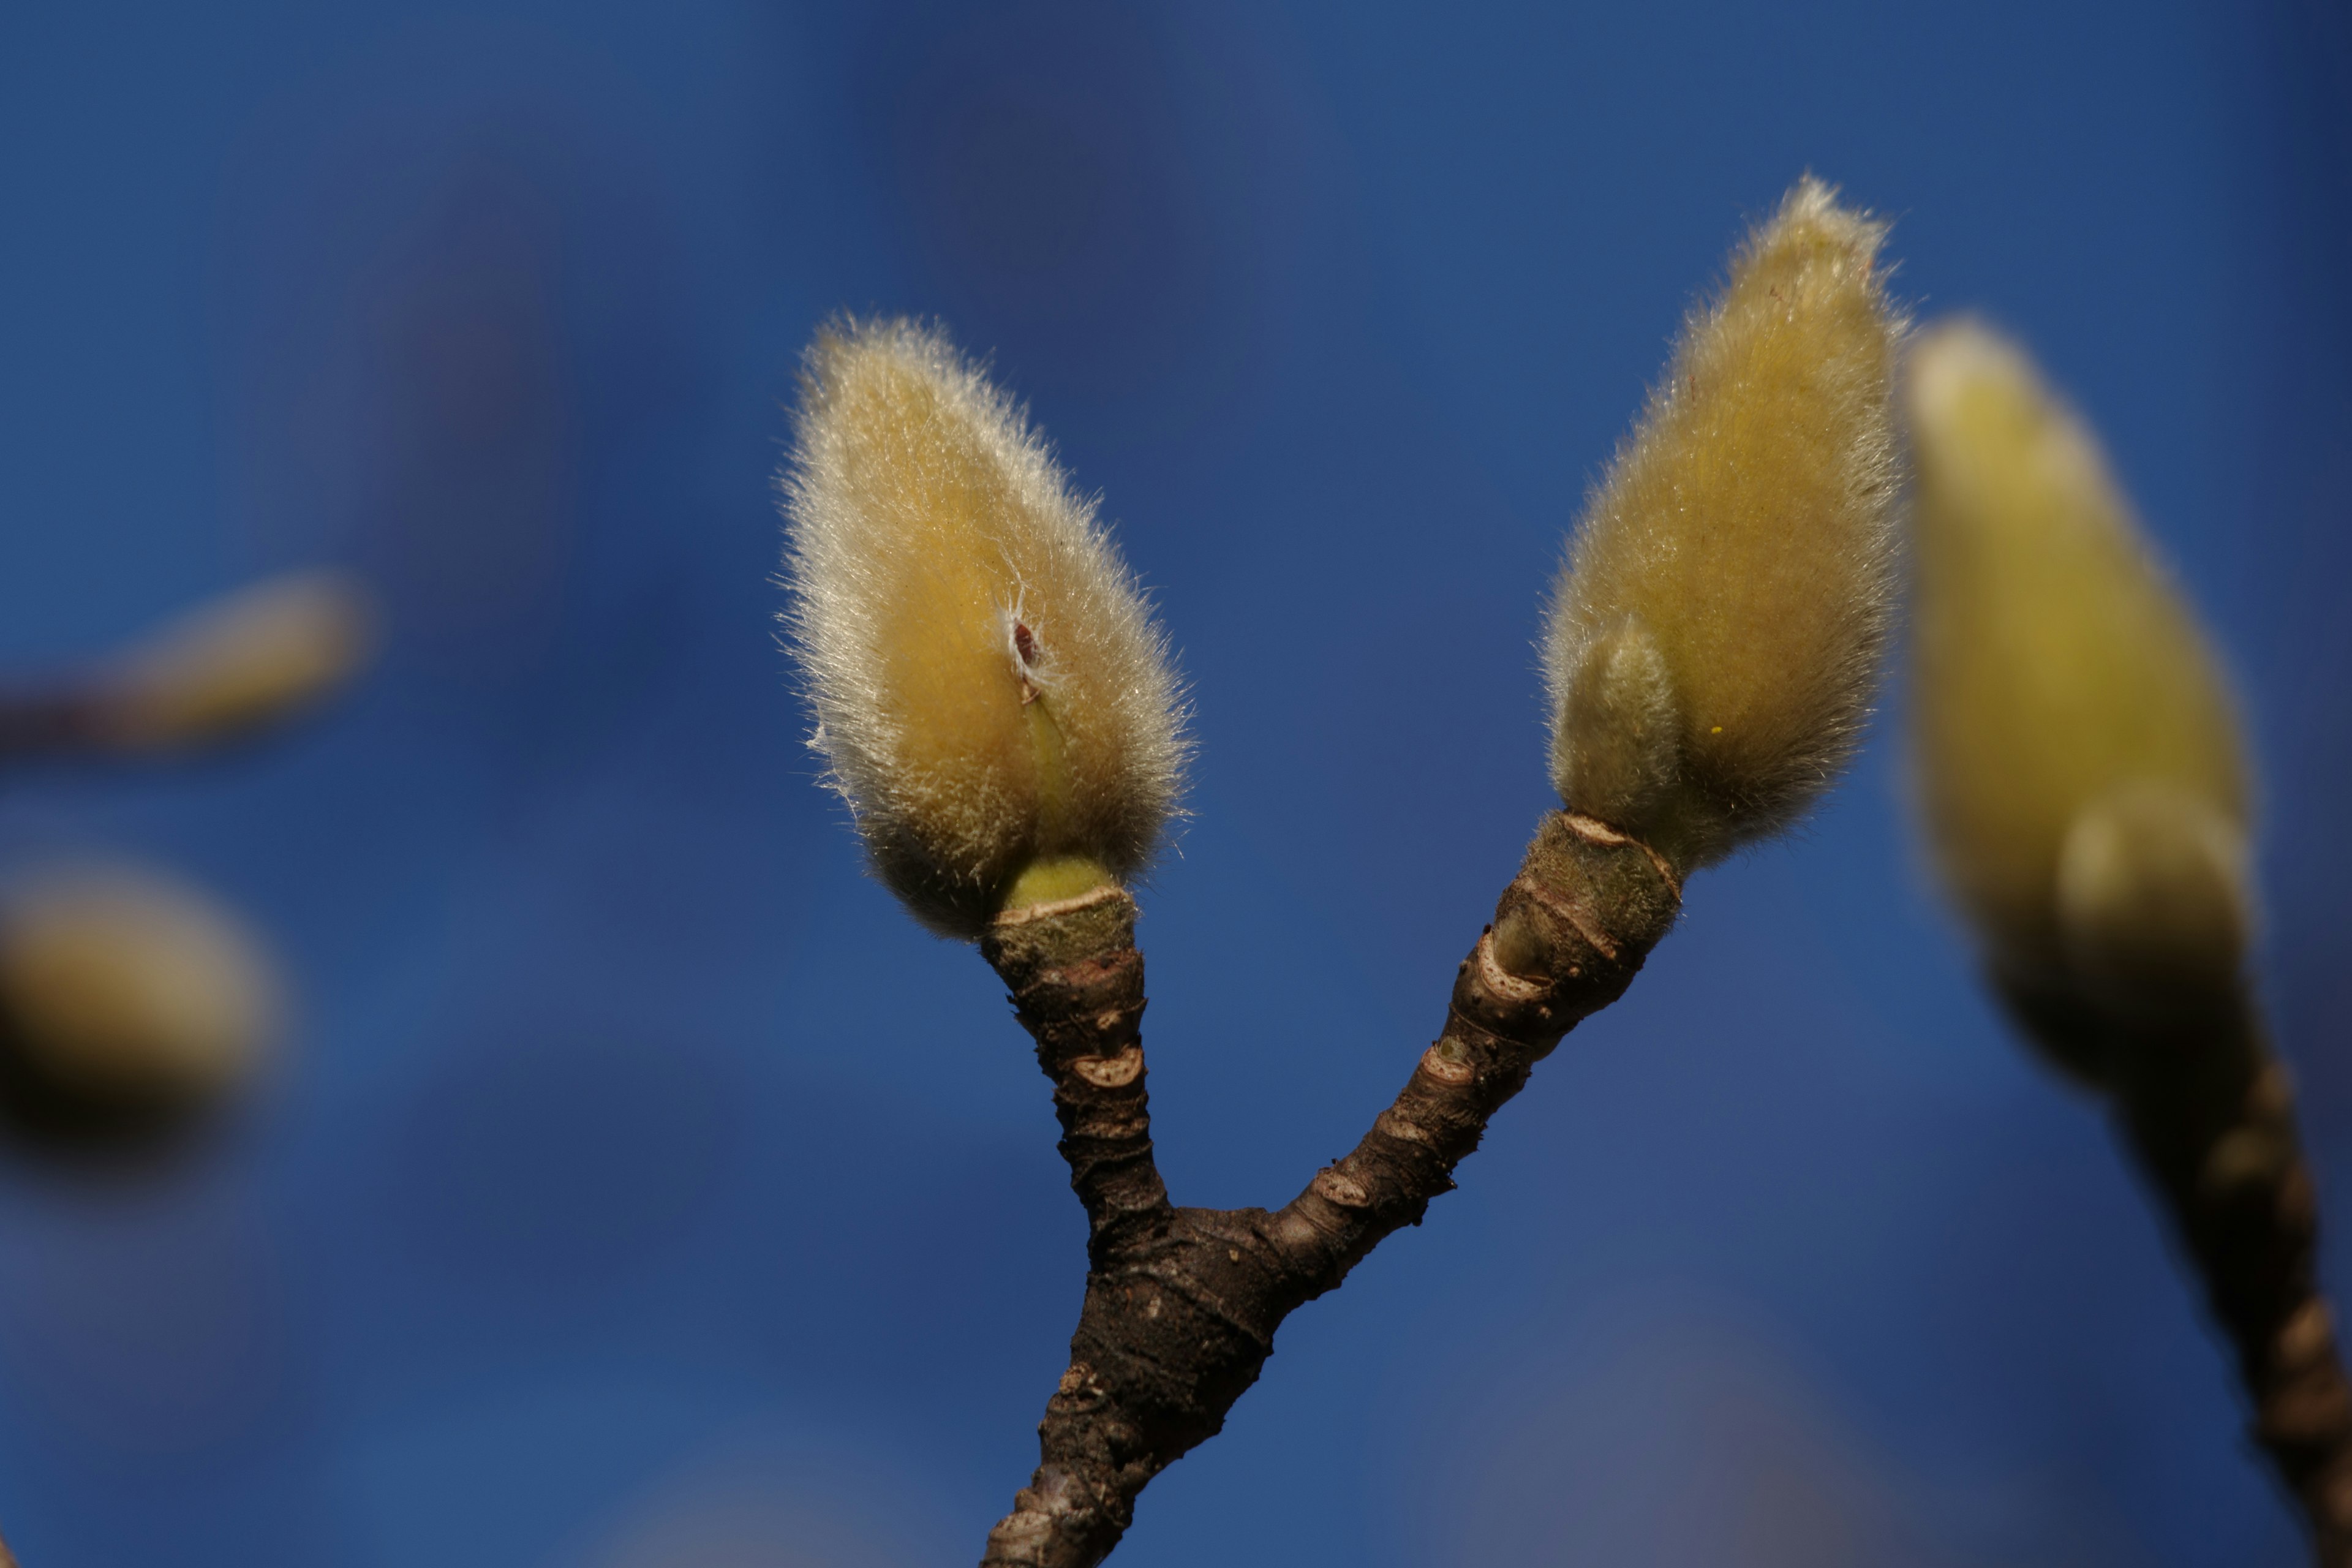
pixel 995 701
pixel 2153 907
pixel 126 1000
pixel 242 662
pixel 2080 767
pixel 1618 745
pixel 1717 634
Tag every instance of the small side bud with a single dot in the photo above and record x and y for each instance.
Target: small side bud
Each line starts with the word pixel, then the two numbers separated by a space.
pixel 2080 769
pixel 127 1004
pixel 1716 636
pixel 1618 744
pixel 995 701
pixel 244 662
pixel 2154 911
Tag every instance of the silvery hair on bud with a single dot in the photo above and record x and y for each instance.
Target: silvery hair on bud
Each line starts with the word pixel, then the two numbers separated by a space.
pixel 943 577
pixel 1718 630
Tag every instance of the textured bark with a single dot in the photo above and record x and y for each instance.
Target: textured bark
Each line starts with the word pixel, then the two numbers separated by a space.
pixel 1182 1304
pixel 2207 1111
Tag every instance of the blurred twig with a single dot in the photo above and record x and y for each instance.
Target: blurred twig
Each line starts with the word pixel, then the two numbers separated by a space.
pixel 239 664
pixel 131 1005
pixel 2207 1111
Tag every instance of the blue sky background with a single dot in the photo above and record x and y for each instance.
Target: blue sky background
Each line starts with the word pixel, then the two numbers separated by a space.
pixel 642 1188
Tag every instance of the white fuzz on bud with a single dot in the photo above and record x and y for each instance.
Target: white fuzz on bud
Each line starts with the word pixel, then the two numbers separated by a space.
pixel 1717 634
pixel 995 702
pixel 2080 768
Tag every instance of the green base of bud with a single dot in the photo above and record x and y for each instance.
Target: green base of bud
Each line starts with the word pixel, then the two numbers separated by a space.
pixel 1055 877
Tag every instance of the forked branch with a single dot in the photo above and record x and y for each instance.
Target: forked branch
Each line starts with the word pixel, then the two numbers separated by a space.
pixel 1182 1304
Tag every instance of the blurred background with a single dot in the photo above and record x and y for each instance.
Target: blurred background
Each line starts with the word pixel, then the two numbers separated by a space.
pixel 639 1188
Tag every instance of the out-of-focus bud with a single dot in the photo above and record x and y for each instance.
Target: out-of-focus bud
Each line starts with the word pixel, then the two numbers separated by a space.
pixel 2154 910
pixel 993 698
pixel 235 666
pixel 1717 634
pixel 2079 763
pixel 128 1003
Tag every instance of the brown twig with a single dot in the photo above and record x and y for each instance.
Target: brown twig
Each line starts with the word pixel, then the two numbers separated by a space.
pixel 63 720
pixel 1182 1304
pixel 2207 1111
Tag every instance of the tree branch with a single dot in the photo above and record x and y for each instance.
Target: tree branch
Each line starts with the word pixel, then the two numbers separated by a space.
pixel 43 723
pixel 2207 1111
pixel 1182 1305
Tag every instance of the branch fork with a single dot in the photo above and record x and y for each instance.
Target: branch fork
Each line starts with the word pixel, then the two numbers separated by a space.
pixel 1182 1304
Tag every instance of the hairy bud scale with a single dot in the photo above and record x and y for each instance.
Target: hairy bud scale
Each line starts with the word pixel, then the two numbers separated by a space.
pixel 995 702
pixel 1717 633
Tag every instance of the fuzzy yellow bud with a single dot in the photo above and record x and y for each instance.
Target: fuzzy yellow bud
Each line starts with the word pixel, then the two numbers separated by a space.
pixel 993 698
pixel 236 665
pixel 2079 762
pixel 126 999
pixel 1716 636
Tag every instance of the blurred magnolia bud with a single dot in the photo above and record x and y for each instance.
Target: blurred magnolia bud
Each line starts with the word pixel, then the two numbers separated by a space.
pixel 996 704
pixel 1717 634
pixel 2079 763
pixel 234 666
pixel 127 1002
pixel 2152 900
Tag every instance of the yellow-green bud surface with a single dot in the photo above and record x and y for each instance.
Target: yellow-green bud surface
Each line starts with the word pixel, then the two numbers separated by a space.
pixel 995 701
pixel 2078 757
pixel 118 984
pixel 1717 633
